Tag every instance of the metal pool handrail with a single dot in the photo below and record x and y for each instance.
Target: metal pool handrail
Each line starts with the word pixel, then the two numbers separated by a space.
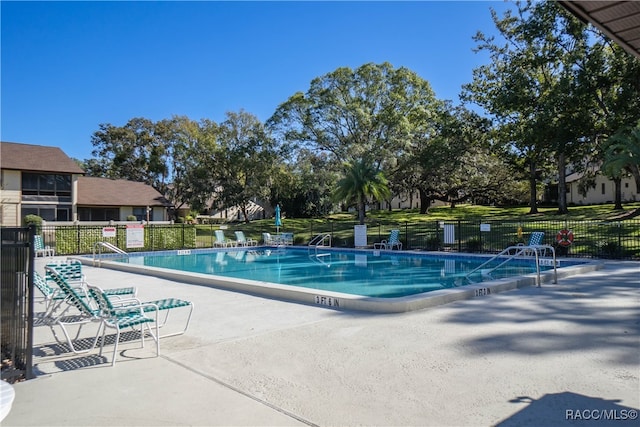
pixel 519 251
pixel 107 245
pixel 320 239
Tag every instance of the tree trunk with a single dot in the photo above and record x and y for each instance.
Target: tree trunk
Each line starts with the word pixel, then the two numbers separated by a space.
pixel 533 202
pixel 618 193
pixel 635 172
pixel 562 185
pixel 425 201
pixel 361 208
pixel 243 209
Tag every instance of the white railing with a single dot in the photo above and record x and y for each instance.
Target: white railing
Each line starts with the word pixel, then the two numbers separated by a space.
pixel 321 241
pixel 100 245
pixel 513 252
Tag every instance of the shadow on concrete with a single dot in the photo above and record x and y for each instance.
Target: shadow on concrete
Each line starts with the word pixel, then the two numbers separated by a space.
pixel 599 311
pixel 570 409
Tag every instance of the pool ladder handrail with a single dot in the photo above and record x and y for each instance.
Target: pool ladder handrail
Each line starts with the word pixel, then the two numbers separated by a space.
pixel 107 245
pixel 320 241
pixel 521 250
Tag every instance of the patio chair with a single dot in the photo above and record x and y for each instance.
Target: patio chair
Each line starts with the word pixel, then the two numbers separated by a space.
pixel 243 241
pixel 91 310
pixel 41 249
pixel 221 240
pixel 269 240
pixel 71 271
pixel 52 297
pixel 535 239
pixel 86 314
pixel 122 317
pixel 286 238
pixel 393 241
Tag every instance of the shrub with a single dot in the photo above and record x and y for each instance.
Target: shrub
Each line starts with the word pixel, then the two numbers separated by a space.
pixel 609 250
pixel 474 244
pixel 433 243
pixel 131 218
pixel 34 220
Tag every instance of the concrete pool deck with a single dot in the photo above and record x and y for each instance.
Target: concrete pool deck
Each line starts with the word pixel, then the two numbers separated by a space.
pixel 530 356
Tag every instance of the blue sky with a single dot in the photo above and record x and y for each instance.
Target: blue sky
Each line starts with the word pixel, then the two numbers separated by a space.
pixel 69 66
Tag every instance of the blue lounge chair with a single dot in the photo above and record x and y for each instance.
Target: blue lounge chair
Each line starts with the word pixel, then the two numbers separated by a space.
pixel 393 241
pixel 243 241
pixel 41 249
pixel 221 240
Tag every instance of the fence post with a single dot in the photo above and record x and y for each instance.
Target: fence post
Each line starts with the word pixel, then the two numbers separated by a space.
pixel 406 234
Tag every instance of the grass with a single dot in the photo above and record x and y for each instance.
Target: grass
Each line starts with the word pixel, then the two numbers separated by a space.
pixel 472 212
pixel 340 225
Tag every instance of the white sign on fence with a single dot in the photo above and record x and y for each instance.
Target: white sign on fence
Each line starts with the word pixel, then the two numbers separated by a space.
pixel 485 227
pixel 108 232
pixel 135 236
pixel 360 235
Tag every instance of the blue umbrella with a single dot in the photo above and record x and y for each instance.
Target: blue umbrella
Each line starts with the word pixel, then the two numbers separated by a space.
pixel 278 220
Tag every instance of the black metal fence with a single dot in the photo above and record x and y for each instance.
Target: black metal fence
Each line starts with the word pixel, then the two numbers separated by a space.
pixel 16 303
pixel 594 239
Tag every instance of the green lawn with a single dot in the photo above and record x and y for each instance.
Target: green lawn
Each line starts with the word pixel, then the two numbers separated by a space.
pixel 469 212
pixel 591 224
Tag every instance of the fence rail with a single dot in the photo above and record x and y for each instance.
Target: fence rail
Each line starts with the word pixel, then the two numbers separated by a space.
pixel 593 239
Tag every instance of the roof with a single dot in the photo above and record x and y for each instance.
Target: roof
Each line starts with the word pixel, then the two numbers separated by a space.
pixel 619 20
pixel 94 191
pixel 37 158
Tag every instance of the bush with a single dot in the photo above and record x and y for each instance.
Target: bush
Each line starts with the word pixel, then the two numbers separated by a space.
pixel 609 250
pixel 433 243
pixel 131 218
pixel 474 244
pixel 34 220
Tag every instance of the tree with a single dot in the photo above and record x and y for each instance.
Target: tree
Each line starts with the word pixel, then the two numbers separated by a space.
pixel 623 157
pixel 371 111
pixel 614 81
pixel 530 86
pixel 193 157
pixel 244 157
pixel 137 151
pixel 362 181
pixel 303 186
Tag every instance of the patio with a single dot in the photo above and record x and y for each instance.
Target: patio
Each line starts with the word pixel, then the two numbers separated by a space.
pixel 531 356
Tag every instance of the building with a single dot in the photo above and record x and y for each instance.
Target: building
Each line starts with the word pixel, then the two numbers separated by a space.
pixel 44 181
pixel 603 190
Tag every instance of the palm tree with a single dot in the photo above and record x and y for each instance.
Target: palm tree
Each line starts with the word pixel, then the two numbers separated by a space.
pixel 362 181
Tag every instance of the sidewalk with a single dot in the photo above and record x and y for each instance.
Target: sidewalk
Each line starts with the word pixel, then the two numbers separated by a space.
pixel 531 356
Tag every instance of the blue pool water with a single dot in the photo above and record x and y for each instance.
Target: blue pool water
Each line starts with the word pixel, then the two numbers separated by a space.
pixel 365 273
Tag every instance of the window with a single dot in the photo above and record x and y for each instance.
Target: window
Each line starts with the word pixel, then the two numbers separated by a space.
pixel 46 184
pixel 604 188
pixel 98 214
pixel 63 214
pixel 140 213
pixel 48 212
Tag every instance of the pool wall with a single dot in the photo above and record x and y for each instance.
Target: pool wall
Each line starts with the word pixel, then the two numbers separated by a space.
pixel 347 301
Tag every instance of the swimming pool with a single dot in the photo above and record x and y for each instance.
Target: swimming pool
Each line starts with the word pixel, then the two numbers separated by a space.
pixel 380 281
